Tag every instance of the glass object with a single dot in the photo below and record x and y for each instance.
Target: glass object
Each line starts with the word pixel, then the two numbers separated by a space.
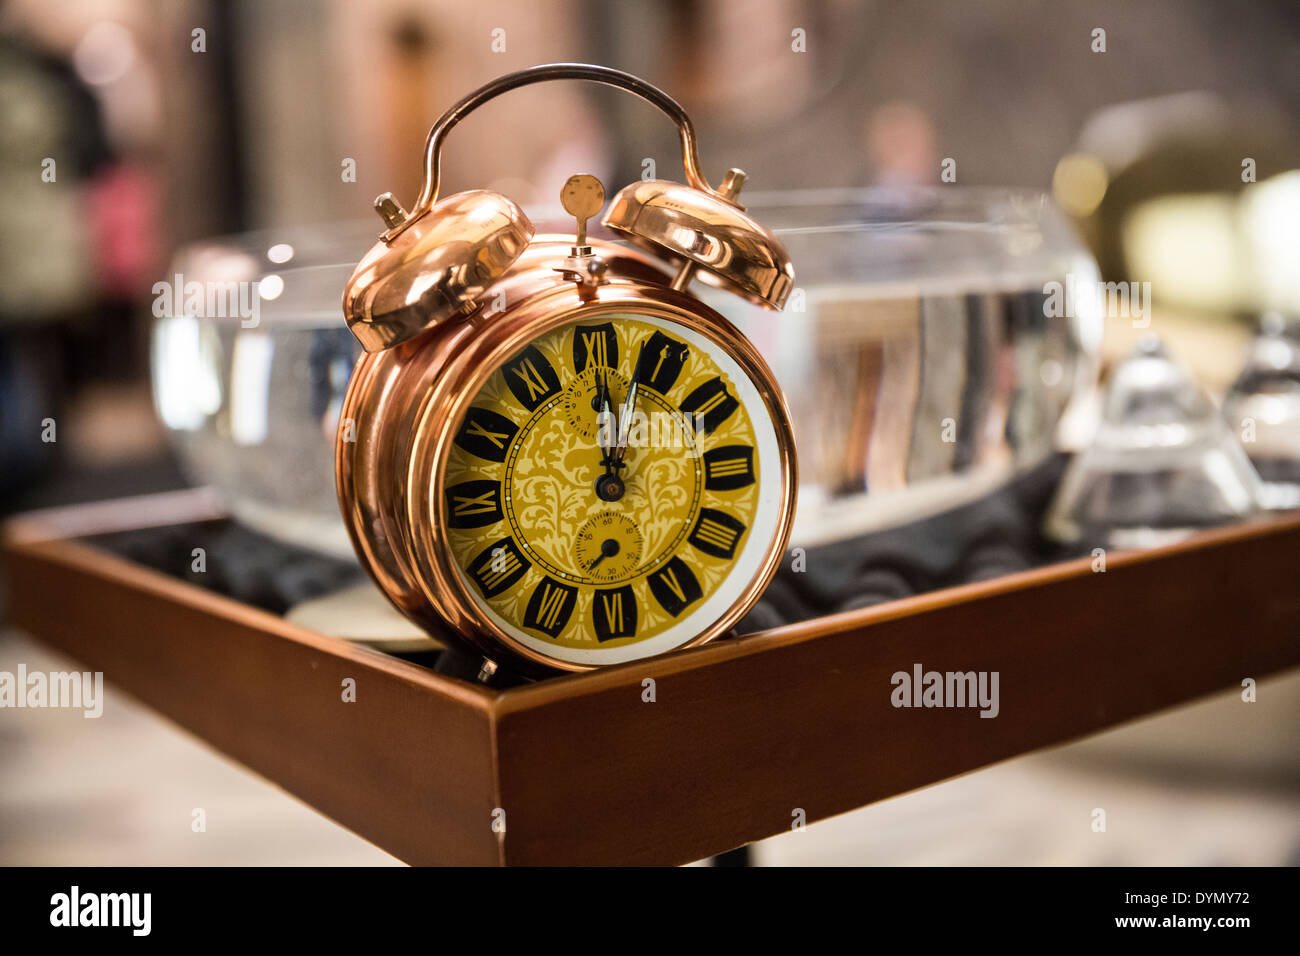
pixel 928 353
pixel 1162 466
pixel 1263 408
pixel 250 360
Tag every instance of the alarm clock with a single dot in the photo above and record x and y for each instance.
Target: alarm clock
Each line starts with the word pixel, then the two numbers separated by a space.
pixel 551 452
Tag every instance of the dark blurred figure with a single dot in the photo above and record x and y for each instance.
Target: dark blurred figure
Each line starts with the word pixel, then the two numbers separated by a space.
pixel 77 238
pixel 51 143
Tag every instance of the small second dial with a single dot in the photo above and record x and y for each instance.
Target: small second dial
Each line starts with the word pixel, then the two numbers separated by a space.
pixel 608 547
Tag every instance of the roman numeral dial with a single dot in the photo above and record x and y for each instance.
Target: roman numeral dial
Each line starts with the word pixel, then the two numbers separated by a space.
pixel 662 361
pixel 613 613
pixel 486 434
pixel 531 378
pixel 550 607
pixel 498 567
pixel 562 570
pixel 717 533
pixel 711 404
pixel 729 467
pixel 595 345
pixel 675 587
pixel 474 504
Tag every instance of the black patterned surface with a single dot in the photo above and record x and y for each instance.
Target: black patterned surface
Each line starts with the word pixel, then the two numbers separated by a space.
pixel 993 536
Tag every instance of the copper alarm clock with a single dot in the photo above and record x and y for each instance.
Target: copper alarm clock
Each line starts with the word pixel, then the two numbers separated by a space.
pixel 551 451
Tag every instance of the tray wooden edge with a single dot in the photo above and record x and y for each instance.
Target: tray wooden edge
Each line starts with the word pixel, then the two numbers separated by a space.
pixel 410 765
pixel 1078 652
pixel 429 798
pixel 852 622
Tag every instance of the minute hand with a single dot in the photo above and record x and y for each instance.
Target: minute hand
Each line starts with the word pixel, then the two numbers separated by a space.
pixel 627 409
pixel 603 423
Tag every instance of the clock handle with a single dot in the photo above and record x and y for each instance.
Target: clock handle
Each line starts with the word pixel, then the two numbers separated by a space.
pixel 398 219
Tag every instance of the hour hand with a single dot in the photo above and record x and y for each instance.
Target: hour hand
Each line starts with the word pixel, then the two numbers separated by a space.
pixel 609 487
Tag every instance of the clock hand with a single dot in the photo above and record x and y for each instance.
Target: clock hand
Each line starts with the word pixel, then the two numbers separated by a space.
pixel 629 407
pixel 609 487
pixel 603 419
pixel 608 548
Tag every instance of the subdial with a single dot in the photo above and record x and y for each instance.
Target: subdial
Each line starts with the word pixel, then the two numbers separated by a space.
pixel 581 400
pixel 608 547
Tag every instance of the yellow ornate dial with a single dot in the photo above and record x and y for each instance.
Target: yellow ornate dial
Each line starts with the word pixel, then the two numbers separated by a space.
pixel 605 487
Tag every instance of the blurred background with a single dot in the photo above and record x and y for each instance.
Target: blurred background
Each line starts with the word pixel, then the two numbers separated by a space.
pixel 139 139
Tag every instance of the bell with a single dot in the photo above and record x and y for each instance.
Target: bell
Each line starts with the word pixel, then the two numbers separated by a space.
pixel 425 271
pixel 696 228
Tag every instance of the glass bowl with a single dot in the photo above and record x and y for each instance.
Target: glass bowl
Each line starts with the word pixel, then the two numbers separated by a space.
pixel 921 354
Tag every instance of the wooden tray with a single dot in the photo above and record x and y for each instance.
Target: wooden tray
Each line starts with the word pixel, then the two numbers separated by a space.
pixel 741 734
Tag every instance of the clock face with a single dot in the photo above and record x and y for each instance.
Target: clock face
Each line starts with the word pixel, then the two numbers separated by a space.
pixel 593 550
